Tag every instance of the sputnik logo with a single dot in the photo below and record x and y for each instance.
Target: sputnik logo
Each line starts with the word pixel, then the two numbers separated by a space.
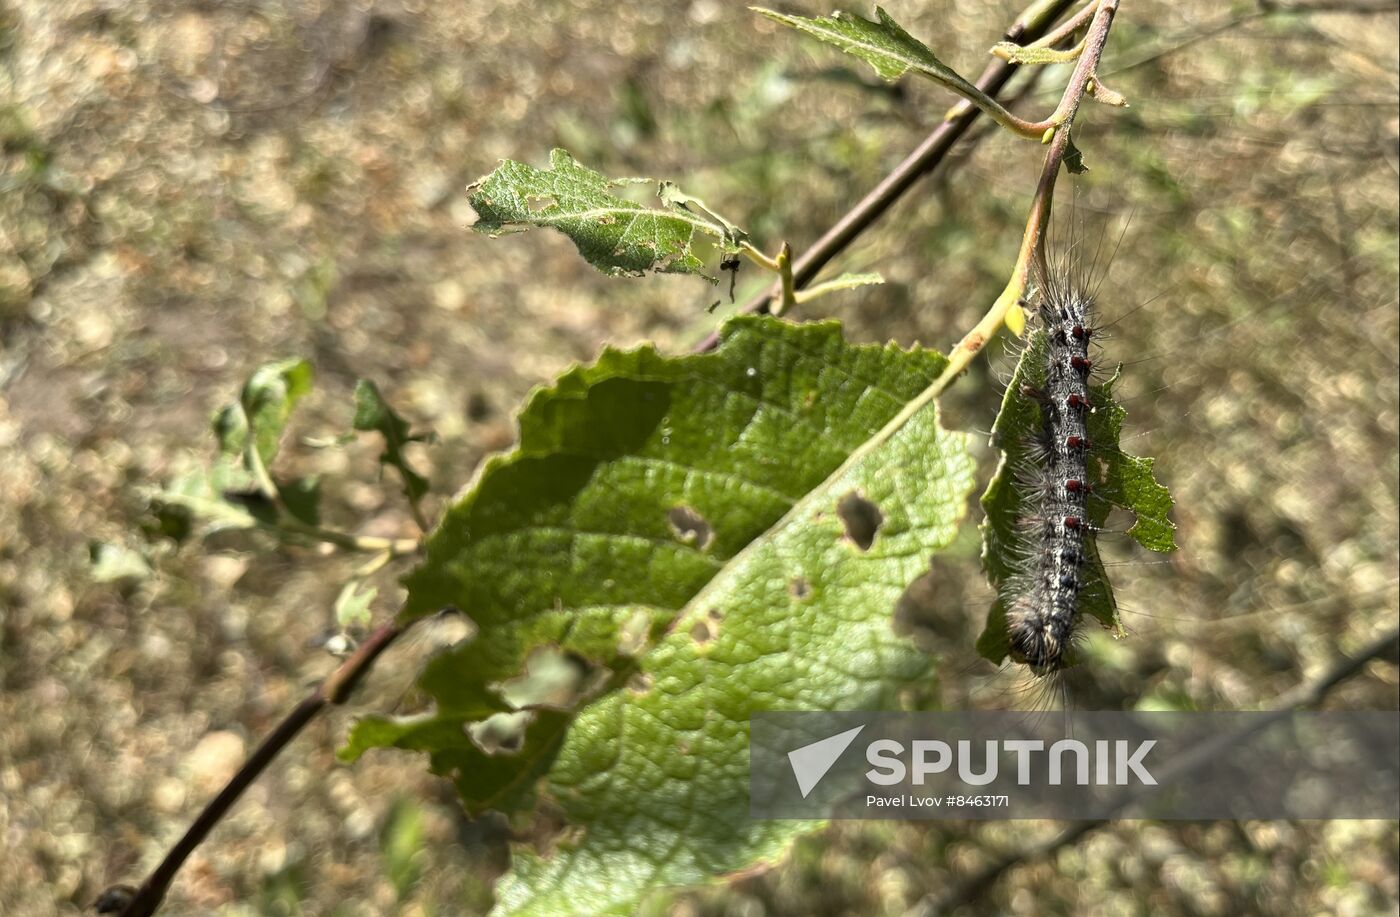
pixel 811 762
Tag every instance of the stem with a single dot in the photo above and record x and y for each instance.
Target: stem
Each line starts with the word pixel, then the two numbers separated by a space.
pixel 394 547
pixel 1033 22
pixel 1001 312
pixel 333 689
pixel 1067 28
pixel 785 278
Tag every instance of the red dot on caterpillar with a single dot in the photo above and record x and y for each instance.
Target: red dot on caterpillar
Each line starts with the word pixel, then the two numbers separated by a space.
pixel 1080 363
pixel 1076 401
pixel 1072 522
pixel 1076 487
pixel 1080 333
pixel 1076 442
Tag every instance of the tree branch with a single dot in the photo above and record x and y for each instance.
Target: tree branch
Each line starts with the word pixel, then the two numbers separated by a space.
pixel 1031 25
pixel 333 689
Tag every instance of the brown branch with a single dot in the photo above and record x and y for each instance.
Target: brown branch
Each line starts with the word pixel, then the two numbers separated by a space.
pixel 333 689
pixel 1308 694
pixel 1035 22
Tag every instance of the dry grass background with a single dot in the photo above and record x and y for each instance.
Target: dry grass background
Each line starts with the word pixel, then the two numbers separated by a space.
pixel 189 189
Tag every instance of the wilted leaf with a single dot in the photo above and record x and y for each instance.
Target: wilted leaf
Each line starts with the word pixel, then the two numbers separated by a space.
pixel 1117 479
pixel 676 524
pixel 615 235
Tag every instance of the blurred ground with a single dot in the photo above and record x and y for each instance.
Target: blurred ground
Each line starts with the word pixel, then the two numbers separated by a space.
pixel 189 189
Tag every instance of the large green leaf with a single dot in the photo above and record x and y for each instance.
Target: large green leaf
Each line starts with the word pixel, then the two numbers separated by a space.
pixel 1117 478
pixel 713 535
pixel 615 235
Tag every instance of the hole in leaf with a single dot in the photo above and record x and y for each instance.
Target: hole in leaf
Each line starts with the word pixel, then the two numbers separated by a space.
pixel 634 634
pixel 553 678
pixel 500 733
pixel 861 519
pixel 690 527
pixel 707 629
pixel 540 202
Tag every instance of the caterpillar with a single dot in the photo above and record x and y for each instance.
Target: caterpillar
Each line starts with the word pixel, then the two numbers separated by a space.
pixel 1043 601
pixel 1062 473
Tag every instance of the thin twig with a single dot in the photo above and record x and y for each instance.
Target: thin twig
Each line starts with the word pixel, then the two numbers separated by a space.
pixel 1031 241
pixel 1034 22
pixel 1308 694
pixel 333 689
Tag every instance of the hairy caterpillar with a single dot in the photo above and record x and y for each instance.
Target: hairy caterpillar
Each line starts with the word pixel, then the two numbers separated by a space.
pixel 1062 473
pixel 1043 601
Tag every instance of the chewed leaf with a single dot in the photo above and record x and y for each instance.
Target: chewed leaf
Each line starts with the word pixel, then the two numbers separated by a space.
pixel 680 527
pixel 615 235
pixel 885 45
pixel 1117 478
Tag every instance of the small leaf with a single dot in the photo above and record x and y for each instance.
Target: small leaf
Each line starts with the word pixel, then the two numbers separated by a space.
pixel 231 430
pixel 267 401
pixel 114 563
pixel 1116 478
pixel 1074 160
pixel 372 412
pixel 675 524
pixel 615 235
pixel 352 604
pixel 200 501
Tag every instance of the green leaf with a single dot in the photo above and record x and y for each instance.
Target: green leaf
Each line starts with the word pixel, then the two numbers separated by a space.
pixel 713 536
pixel 352 604
pixel 372 412
pixel 615 235
pixel 1117 478
pixel 267 401
pixel 301 497
pixel 884 45
pixel 401 843
pixel 206 500
pixel 114 563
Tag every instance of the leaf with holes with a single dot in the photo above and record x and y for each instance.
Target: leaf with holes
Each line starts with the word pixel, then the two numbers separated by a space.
pixel 1117 478
pixel 706 537
pixel 614 234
